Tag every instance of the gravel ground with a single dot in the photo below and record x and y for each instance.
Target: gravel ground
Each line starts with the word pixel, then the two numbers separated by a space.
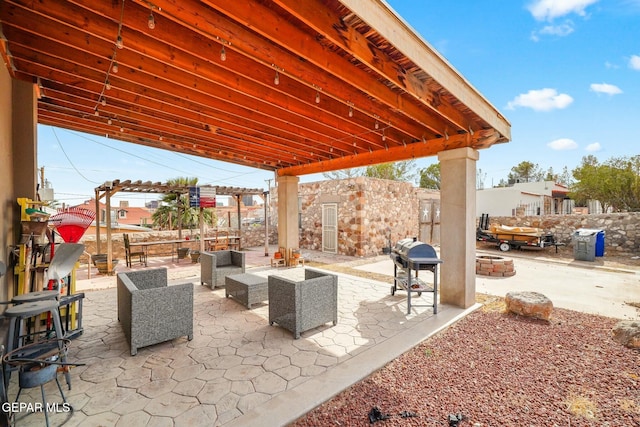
pixel 499 369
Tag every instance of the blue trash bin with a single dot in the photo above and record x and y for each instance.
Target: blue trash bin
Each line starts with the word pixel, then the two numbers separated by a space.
pixel 600 243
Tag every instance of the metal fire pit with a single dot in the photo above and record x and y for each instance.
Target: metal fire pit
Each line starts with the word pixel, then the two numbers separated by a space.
pixel 39 363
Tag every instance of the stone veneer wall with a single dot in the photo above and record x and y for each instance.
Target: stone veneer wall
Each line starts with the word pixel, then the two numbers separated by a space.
pixel 622 230
pixel 369 209
pixel 252 236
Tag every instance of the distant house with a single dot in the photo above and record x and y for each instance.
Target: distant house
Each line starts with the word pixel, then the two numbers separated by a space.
pixel 122 215
pixel 133 215
pixel 524 199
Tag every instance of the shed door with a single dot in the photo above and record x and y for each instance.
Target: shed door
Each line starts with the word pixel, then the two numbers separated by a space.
pixel 430 221
pixel 330 228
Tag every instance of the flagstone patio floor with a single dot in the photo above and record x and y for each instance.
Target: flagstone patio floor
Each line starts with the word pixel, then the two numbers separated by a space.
pixel 238 370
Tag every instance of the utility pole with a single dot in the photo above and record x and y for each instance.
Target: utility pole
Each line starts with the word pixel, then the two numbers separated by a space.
pixel 266 217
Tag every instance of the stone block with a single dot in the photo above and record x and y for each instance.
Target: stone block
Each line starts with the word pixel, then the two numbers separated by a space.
pixel 530 304
pixel 627 333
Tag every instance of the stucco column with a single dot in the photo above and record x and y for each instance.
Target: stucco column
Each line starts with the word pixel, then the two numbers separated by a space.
pixel 288 236
pixel 458 226
pixel 9 217
pixel 24 122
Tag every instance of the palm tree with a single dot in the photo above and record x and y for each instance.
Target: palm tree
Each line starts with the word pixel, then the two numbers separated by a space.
pixel 174 211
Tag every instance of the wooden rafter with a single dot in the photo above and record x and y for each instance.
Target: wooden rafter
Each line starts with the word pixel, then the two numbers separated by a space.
pixel 378 101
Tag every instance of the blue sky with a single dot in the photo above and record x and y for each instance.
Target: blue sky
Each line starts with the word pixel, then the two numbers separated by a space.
pixel 565 73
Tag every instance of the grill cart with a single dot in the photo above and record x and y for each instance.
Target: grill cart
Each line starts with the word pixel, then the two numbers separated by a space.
pixel 411 256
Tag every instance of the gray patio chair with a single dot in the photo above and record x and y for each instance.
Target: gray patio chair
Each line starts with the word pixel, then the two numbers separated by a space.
pixel 303 305
pixel 152 312
pixel 215 266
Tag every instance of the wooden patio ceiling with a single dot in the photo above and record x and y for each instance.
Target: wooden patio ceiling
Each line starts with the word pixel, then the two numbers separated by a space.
pixel 290 86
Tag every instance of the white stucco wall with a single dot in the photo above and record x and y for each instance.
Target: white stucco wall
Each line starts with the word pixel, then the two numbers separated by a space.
pixel 503 201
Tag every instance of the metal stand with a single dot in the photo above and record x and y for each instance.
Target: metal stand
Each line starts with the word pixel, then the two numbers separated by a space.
pixel 38 364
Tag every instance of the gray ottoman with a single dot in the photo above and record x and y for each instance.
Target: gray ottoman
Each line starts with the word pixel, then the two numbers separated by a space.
pixel 246 288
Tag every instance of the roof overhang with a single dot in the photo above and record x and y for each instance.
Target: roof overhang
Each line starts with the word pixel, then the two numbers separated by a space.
pixel 290 86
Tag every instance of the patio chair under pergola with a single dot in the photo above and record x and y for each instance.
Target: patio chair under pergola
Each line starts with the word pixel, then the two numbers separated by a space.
pixel 108 189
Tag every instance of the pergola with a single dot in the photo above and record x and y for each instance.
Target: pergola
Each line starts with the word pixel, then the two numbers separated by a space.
pixel 295 87
pixel 109 188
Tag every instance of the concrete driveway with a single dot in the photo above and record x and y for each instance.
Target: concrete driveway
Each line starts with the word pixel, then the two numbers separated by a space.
pixel 574 285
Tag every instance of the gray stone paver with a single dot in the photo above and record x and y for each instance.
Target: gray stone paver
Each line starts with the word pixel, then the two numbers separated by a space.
pixel 236 361
pixel 157 388
pixel 186 373
pixel 243 372
pixel 269 383
pixel 228 416
pixel 254 360
pixel 288 372
pixel 326 361
pixel 249 402
pixel 170 405
pixel 304 358
pixel 104 419
pixel 134 378
pixel 201 415
pixel 161 422
pixel 138 418
pixel 135 402
pixel 214 390
pixel 98 373
pixel 224 362
pixel 189 387
pixel 107 400
pixel 276 362
pixel 312 371
pixel 211 374
pixel 242 388
pixel 161 373
pixel 228 402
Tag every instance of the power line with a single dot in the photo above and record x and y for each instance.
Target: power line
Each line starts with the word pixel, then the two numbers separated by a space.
pixel 70 162
pixel 169 167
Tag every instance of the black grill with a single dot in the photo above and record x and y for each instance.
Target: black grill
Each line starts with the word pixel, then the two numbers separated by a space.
pixel 411 249
pixel 409 256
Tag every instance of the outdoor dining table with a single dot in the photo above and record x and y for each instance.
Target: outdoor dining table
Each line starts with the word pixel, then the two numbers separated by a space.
pixel 232 242
pixel 175 243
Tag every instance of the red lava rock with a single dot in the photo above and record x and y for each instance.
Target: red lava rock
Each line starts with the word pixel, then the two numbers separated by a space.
pixel 498 369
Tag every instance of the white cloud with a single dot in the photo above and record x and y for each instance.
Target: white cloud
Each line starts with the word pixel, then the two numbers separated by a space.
pixel 541 100
pixel 605 88
pixel 634 62
pixel 557 30
pixel 563 144
pixel 548 10
pixel 593 147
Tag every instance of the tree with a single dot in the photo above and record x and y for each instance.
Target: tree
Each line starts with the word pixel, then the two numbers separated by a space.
pixel 615 183
pixel 396 171
pixel 525 172
pixel 174 210
pixel 430 177
pixel 344 173
pixel 565 177
pixel 480 177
